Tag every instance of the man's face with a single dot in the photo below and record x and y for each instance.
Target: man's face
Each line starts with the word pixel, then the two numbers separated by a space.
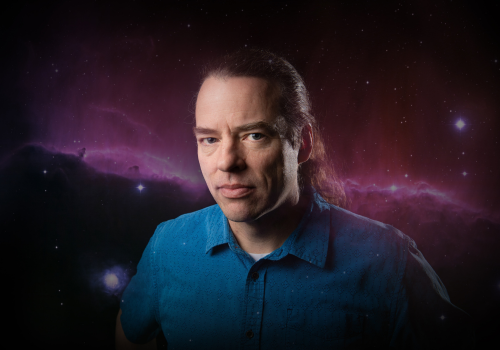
pixel 248 168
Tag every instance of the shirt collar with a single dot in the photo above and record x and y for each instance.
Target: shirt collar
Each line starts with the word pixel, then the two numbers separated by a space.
pixel 309 241
pixel 217 228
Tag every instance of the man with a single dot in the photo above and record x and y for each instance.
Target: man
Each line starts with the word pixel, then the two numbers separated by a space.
pixel 275 264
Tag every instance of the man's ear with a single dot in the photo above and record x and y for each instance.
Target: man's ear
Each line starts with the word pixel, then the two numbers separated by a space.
pixel 306 145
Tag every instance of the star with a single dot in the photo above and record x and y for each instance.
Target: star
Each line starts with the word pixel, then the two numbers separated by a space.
pixel 460 124
pixel 442 317
pixel 393 188
pixel 111 280
pixel 406 175
pixel 140 188
pixel 45 171
pixel 464 173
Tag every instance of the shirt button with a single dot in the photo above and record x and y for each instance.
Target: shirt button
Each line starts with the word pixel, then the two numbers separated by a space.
pixel 255 276
pixel 249 334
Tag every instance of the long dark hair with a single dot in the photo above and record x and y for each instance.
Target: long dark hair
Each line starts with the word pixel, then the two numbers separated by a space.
pixel 295 113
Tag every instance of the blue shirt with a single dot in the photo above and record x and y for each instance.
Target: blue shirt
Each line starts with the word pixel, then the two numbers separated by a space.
pixel 339 281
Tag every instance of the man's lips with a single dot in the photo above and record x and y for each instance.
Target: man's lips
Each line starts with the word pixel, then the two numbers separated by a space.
pixel 235 190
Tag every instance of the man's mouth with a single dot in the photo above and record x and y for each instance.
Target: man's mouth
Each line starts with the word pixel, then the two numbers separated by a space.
pixel 235 191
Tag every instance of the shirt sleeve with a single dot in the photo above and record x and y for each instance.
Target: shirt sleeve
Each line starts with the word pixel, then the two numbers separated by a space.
pixel 426 319
pixel 138 302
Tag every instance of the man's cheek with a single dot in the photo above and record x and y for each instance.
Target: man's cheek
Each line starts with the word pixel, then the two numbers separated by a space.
pixel 206 177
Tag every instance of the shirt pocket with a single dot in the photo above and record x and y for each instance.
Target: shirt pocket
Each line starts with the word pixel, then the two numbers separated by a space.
pixel 323 329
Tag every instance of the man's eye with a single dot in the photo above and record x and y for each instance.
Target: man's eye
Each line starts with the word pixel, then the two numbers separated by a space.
pixel 210 140
pixel 256 136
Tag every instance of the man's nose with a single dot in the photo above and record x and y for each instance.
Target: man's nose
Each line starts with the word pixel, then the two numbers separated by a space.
pixel 230 157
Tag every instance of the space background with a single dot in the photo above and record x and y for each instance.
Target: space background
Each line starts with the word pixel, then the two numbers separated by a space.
pixel 96 144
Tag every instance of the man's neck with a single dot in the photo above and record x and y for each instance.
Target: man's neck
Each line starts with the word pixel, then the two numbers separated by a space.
pixel 269 232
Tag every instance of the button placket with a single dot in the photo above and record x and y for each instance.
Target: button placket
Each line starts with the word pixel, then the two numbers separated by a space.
pixel 254 308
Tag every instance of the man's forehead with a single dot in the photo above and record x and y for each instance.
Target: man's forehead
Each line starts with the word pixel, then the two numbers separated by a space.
pixel 235 101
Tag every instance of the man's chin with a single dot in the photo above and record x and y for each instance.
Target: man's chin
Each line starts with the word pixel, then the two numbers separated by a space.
pixel 239 217
pixel 237 212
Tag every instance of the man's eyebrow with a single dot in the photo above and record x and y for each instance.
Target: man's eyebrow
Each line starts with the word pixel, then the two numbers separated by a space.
pixel 246 127
pixel 203 131
pixel 257 125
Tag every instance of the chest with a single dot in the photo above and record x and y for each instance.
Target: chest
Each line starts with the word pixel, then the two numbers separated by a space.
pixel 286 304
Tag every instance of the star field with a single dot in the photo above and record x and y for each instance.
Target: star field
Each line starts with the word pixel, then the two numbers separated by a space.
pixel 386 84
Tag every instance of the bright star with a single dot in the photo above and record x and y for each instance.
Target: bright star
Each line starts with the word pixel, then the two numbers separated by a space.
pixel 460 124
pixel 464 173
pixel 111 280
pixel 406 175
pixel 140 188
pixel 393 188
pixel 45 171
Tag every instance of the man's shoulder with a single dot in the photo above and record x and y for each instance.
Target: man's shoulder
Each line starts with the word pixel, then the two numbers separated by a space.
pixel 360 231
pixel 368 247
pixel 194 222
